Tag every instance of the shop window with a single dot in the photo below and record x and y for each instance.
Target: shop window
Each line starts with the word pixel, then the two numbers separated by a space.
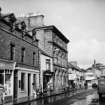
pixel 22 81
pixel 1 79
pixel 7 78
pixel 48 64
pixel 34 81
pixel 22 54
pixel 12 51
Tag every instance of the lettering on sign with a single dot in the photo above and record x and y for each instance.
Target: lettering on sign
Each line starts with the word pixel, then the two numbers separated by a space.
pixel 6 66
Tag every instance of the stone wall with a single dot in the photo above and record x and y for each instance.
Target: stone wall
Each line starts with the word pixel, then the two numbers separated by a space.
pixel 7 38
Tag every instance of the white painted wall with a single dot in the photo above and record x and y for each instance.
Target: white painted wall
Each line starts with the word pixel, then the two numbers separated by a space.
pixel 90 76
pixel 25 92
pixel 43 66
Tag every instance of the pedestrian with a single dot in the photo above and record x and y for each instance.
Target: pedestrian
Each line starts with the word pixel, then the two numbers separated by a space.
pixel 73 87
pixel 34 93
pixel 85 85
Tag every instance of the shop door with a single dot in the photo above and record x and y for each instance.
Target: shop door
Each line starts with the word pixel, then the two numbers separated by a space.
pixel 29 84
pixel 45 82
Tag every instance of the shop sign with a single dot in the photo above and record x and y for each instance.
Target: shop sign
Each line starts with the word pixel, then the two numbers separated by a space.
pixel 48 74
pixel 9 66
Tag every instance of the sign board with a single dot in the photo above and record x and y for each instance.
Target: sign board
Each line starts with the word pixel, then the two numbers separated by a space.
pixel 72 76
pixel 9 66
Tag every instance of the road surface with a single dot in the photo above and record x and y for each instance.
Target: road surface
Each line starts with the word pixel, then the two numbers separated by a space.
pixel 88 97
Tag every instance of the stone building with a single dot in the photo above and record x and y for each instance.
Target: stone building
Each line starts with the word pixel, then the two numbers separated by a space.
pixel 76 75
pixel 98 69
pixel 46 72
pixel 54 44
pixel 90 77
pixel 94 72
pixel 56 47
pixel 19 58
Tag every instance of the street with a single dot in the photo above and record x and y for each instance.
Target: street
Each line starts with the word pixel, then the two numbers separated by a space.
pixel 86 97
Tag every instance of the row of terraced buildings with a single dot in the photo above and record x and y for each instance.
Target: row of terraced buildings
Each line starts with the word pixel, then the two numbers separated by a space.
pixel 33 57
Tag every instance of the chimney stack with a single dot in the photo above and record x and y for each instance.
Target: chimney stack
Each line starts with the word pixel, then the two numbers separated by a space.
pixel 36 21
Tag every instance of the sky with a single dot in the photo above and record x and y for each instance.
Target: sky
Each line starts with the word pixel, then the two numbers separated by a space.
pixel 81 21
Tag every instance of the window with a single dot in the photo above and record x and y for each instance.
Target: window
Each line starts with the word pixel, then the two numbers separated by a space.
pixel 48 64
pixel 33 58
pixel 22 54
pixel 34 81
pixel 22 81
pixel 1 79
pixel 12 51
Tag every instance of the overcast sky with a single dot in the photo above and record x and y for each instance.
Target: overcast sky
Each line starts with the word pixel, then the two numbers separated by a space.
pixel 81 21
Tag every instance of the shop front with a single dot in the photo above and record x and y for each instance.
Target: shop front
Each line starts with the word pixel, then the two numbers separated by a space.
pixel 6 80
pixel 48 80
pixel 71 80
pixel 26 82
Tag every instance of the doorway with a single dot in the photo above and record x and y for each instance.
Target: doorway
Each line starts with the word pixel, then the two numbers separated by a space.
pixel 29 84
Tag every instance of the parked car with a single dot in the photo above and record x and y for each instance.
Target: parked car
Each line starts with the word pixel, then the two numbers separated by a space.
pixel 94 85
pixel 101 86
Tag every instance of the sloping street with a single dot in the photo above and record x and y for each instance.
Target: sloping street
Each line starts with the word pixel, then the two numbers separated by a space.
pixel 52 52
pixel 82 97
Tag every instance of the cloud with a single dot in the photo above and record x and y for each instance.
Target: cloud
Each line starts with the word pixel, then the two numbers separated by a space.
pixel 82 21
pixel 85 51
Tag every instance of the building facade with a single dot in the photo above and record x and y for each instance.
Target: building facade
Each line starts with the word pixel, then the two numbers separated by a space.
pixel 94 72
pixel 46 72
pixel 54 44
pixel 76 75
pixel 90 77
pixel 98 68
pixel 19 49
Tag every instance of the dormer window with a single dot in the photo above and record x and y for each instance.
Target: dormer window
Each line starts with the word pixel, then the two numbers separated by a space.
pixel 23 25
pixel 12 18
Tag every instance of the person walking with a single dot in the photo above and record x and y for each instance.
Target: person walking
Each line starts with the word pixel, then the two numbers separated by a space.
pixel 85 85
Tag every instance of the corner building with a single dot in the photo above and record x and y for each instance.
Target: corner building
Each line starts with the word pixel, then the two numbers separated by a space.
pixel 19 60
